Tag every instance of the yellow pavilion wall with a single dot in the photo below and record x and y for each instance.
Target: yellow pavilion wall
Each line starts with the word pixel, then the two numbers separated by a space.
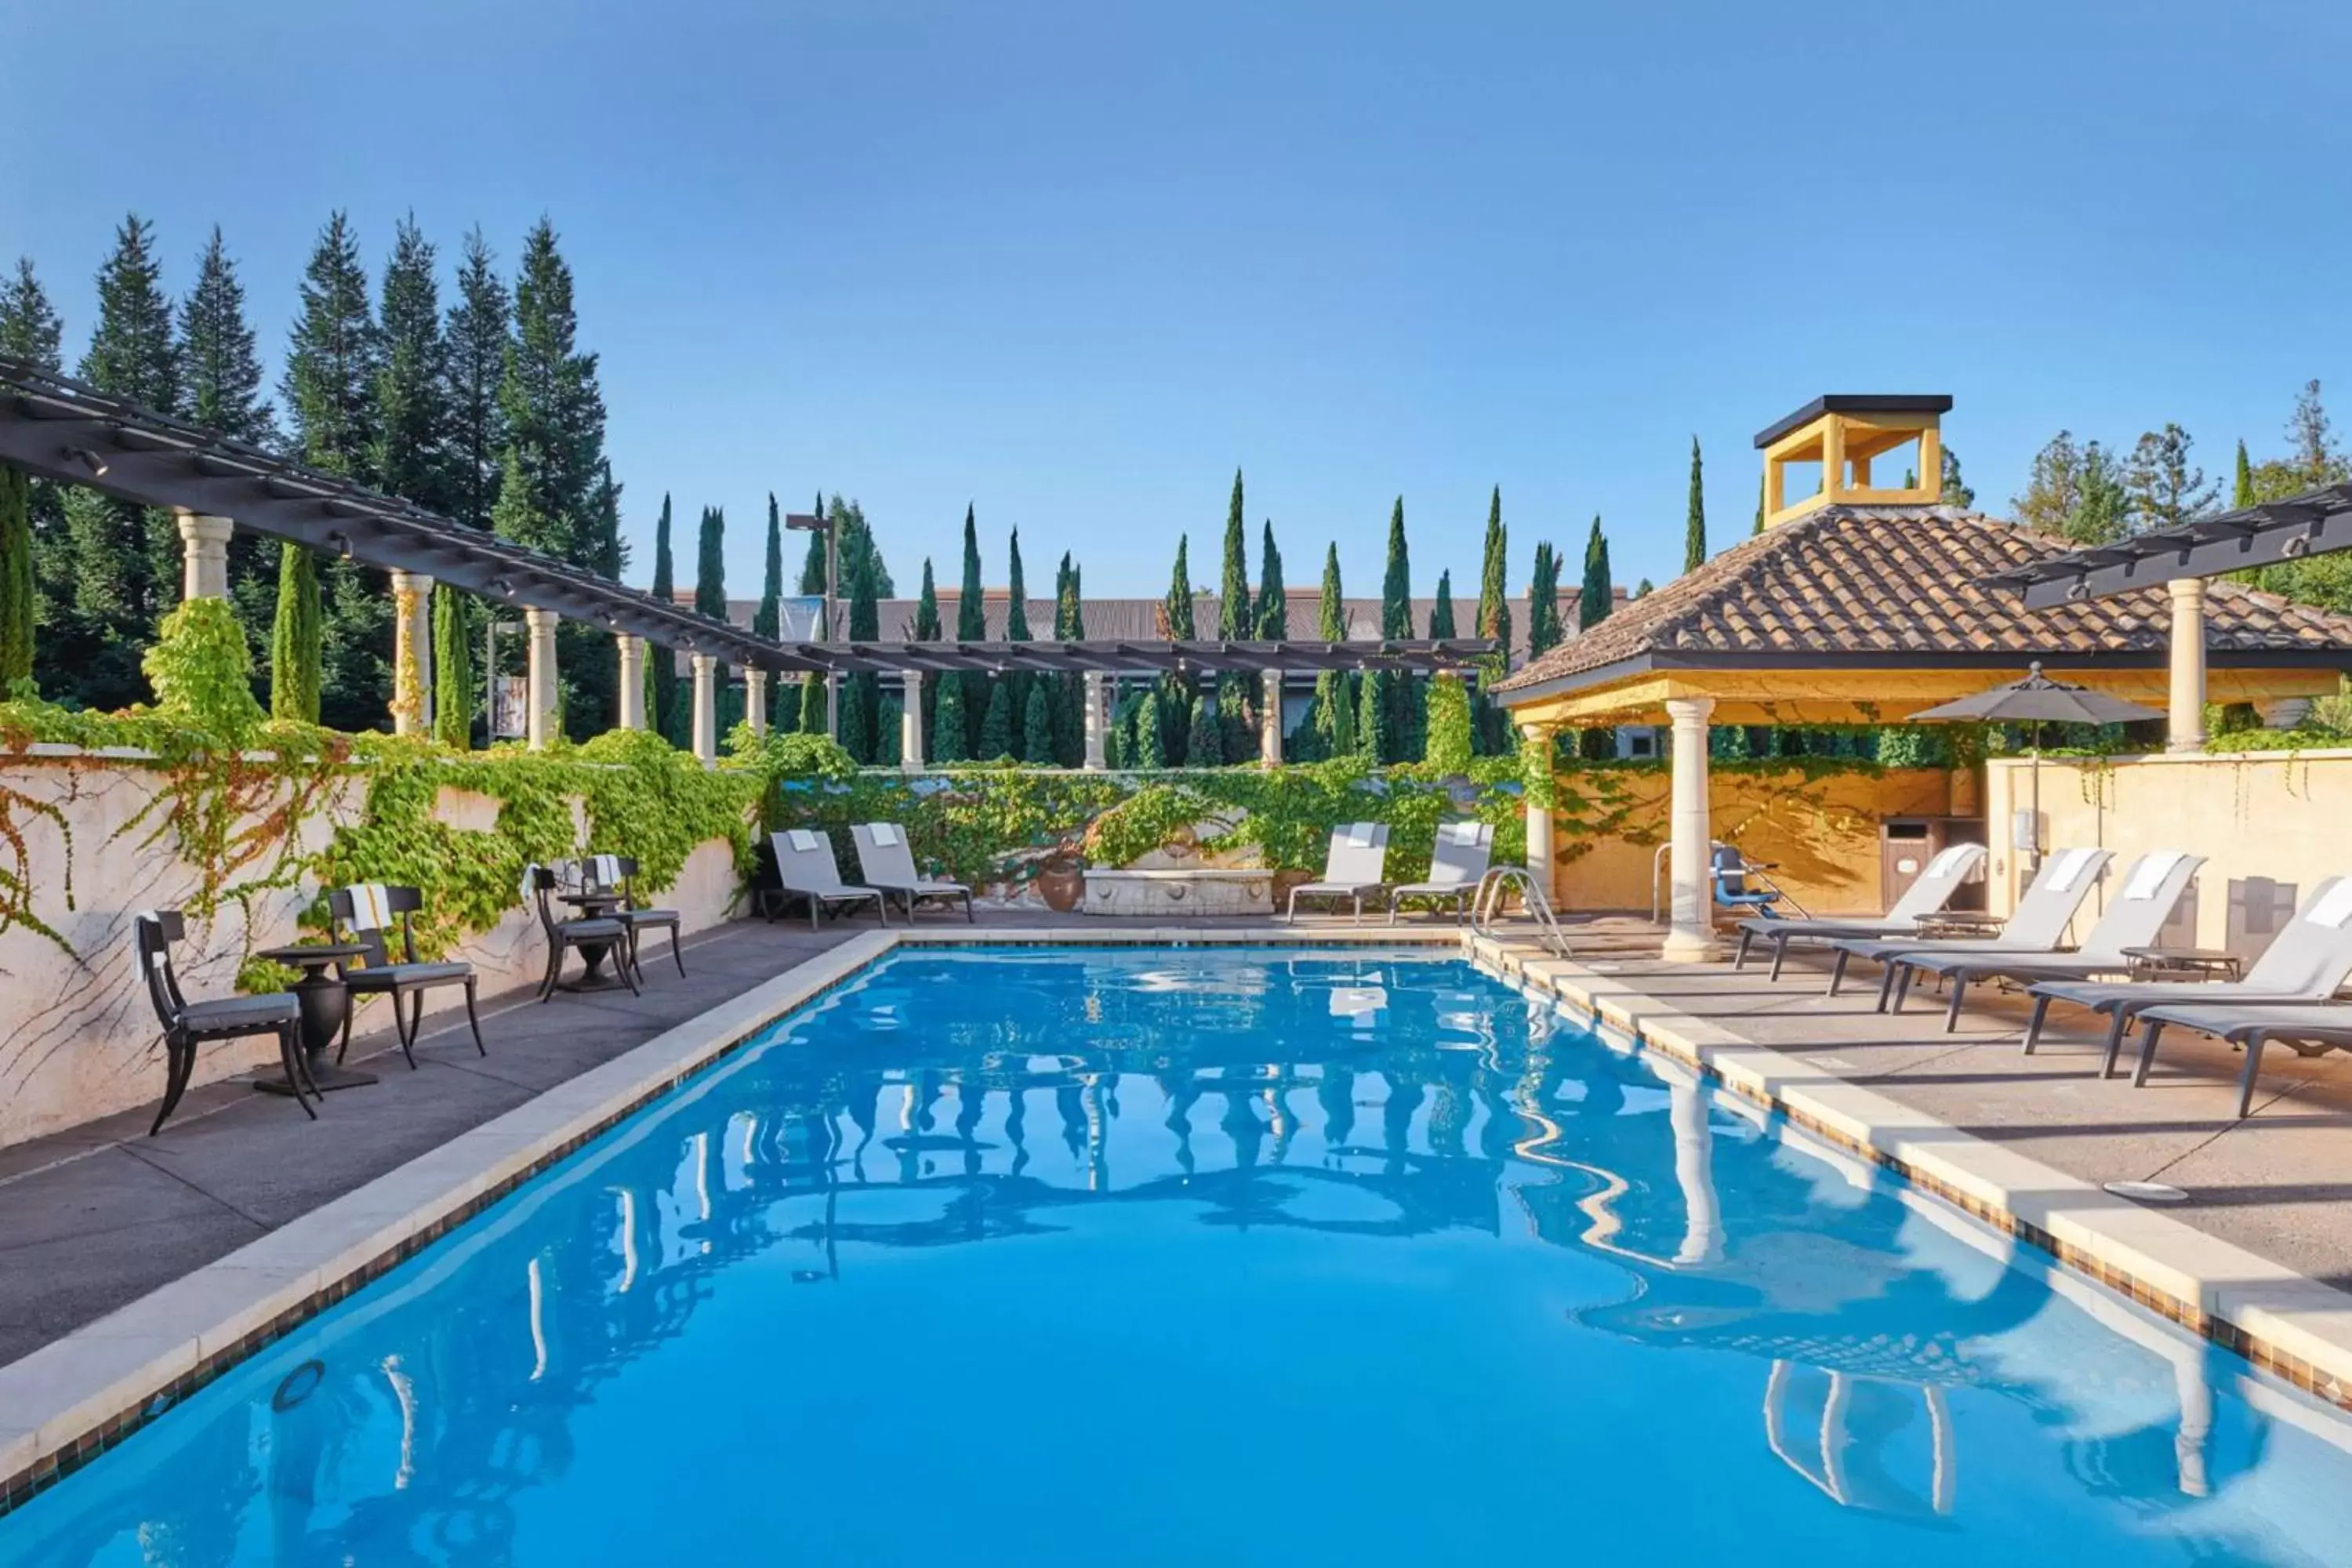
pixel 2270 824
pixel 1821 830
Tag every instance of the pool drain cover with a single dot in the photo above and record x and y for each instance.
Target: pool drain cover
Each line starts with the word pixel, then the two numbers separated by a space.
pixel 2148 1192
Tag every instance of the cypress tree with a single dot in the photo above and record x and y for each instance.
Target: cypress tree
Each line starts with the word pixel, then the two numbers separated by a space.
pixel 2242 493
pixel 1037 728
pixel 16 578
pixel 1403 694
pixel 453 670
pixel 662 704
pixel 220 375
pixel 996 725
pixel 1373 741
pixel 408 455
pixel 1233 621
pixel 888 733
pixel 1016 629
pixel 1334 719
pixel 1070 700
pixel 1597 596
pixel 1204 745
pixel 1449 748
pixel 1544 629
pixel 1175 707
pixel 31 331
pixel 1273 599
pixel 1441 614
pixel 1694 527
pixel 1645 588
pixel 950 728
pixel 928 628
pixel 861 694
pixel 474 365
pixel 812 561
pixel 711 565
pixel 1494 621
pixel 812 709
pixel 1149 749
pixel 1759 504
pixel 295 637
pixel 971 626
pixel 768 620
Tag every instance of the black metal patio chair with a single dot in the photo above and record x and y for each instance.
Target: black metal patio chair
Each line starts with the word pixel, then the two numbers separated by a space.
pixel 619 873
pixel 187 1024
pixel 366 911
pixel 602 932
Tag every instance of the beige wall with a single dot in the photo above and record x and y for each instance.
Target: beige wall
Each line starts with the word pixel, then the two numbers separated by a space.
pixel 2270 824
pixel 1821 832
pixel 77 1036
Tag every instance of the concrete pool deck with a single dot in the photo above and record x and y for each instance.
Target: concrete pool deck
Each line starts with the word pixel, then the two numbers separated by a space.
pixel 139 1269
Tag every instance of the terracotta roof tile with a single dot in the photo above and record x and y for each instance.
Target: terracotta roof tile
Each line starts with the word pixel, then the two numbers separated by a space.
pixel 1903 580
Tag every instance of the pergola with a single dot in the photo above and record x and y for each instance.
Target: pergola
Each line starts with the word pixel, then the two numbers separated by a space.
pixel 60 429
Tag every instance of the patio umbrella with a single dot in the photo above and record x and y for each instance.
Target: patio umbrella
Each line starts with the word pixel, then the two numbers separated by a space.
pixel 2037 700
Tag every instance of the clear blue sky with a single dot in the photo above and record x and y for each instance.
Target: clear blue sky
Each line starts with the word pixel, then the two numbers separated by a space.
pixel 1076 261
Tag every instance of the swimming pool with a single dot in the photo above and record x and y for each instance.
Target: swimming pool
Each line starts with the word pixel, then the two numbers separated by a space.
pixel 1136 1256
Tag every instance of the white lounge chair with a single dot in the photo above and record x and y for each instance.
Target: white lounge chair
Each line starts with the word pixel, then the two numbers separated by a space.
pixel 2250 1025
pixel 1455 866
pixel 2150 893
pixel 2037 925
pixel 2306 962
pixel 806 866
pixel 1928 892
pixel 1352 866
pixel 885 863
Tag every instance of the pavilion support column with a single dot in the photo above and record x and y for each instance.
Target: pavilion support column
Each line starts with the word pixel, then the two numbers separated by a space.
pixel 1269 734
pixel 706 708
pixel 1690 938
pixel 204 557
pixel 539 705
pixel 411 653
pixel 1537 805
pixel 1095 726
pixel 911 720
pixel 2186 732
pixel 755 699
pixel 633 681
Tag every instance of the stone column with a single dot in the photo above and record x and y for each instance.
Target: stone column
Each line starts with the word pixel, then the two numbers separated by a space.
pixel 2187 730
pixel 1537 809
pixel 1095 725
pixel 633 681
pixel 204 557
pixel 755 699
pixel 706 708
pixel 1269 730
pixel 911 720
pixel 1695 1172
pixel 539 633
pixel 411 653
pixel 1690 938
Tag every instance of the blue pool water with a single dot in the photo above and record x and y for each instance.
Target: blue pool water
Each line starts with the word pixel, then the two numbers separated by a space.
pixel 1133 1256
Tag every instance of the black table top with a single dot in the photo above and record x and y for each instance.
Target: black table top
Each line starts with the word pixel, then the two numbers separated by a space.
pixel 308 953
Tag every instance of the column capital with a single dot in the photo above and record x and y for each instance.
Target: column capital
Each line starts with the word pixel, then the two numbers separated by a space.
pixel 541 620
pixel 197 527
pixel 1689 712
pixel 406 582
pixel 704 664
pixel 1533 732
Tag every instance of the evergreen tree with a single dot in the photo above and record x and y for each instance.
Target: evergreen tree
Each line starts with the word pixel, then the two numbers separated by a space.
pixel 1401 740
pixel 16 602
pixel 2053 486
pixel 1175 709
pixel 948 725
pixel 928 628
pixel 1016 629
pixel 812 708
pixel 2242 493
pixel 812 561
pixel 971 626
pixel 1233 618
pixel 607 554
pixel 1441 612
pixel 1544 630
pixel 1956 492
pixel 1272 600
pixel 220 375
pixel 553 409
pixel 663 704
pixel 889 733
pixel 1333 721
pixel 453 670
pixel 2165 487
pixel 996 724
pixel 711 565
pixel 1694 526
pixel 121 560
pixel 1494 621
pixel 1037 728
pixel 1149 749
pixel 295 643
pixel 1449 749
pixel 768 620
pixel 1645 588
pixel 1760 506
pixel 1374 742
pixel 332 359
pixel 1597 596
pixel 2310 443
pixel 1204 744
pixel 861 694
pixel 29 328
pixel 475 345
pixel 2102 510
pixel 409 454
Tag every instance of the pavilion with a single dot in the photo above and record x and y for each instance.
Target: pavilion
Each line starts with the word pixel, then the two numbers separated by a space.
pixel 1860 604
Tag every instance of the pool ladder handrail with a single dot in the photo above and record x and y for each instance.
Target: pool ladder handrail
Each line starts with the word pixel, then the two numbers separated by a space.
pixel 1491 888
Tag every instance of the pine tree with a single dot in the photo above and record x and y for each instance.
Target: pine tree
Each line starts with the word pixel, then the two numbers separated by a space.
pixel 1401 740
pixel 1645 588
pixel 453 670
pixel 2102 510
pixel 996 726
pixel 555 410
pixel 409 454
pixel 1441 612
pixel 2053 486
pixel 663 704
pixel 1956 492
pixel 1695 526
pixel 2311 444
pixel 1273 599
pixel 29 328
pixel 30 331
pixel 294 650
pixel 475 345
pixel 332 359
pixel 121 560
pixel 2165 487
pixel 2242 493
pixel 1037 728
pixel 1544 630
pixel 1597 596
pixel 220 375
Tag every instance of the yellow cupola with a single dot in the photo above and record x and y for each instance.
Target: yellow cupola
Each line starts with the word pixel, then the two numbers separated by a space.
pixel 1843 433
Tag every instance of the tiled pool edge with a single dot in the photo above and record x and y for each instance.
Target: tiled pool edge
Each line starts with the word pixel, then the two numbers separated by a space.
pixel 2295 1328
pixel 75 1397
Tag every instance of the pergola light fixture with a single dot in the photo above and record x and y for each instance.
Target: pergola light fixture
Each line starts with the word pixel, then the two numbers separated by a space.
pixel 343 543
pixel 88 459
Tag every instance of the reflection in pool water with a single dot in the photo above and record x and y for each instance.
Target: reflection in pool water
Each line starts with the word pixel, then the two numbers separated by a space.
pixel 1137 1257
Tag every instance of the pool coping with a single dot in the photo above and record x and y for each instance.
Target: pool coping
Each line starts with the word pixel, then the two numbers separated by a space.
pixel 73 1398
pixel 2297 1328
pixel 80 1394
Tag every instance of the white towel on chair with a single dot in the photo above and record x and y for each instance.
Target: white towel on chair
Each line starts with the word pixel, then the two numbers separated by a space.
pixel 2071 864
pixel 1459 832
pixel 801 839
pixel 883 832
pixel 370 910
pixel 606 869
pixel 2153 869
pixel 1358 834
pixel 2334 909
pixel 1949 860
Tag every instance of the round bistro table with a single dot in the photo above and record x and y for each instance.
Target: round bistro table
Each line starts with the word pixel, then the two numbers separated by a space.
pixel 596 903
pixel 325 1002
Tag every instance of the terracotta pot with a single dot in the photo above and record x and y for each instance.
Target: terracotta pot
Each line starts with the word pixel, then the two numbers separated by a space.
pixel 1061 883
